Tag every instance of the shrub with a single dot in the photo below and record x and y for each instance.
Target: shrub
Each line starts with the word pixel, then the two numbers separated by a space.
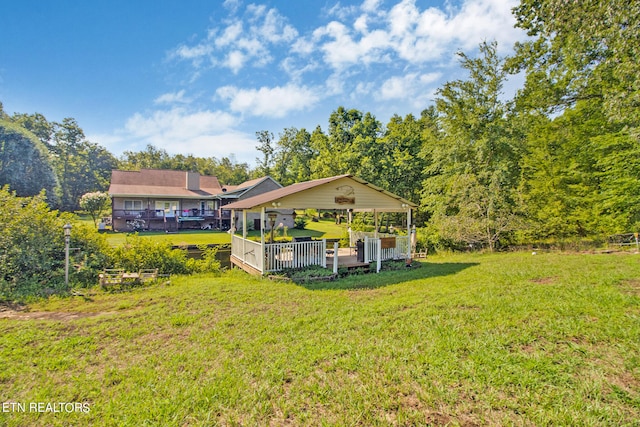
pixel 90 255
pixel 300 223
pixel 208 263
pixel 32 249
pixel 139 253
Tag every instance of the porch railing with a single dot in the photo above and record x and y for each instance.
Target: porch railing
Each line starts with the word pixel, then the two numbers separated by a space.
pixel 373 247
pixel 248 251
pixel 279 256
pixel 159 214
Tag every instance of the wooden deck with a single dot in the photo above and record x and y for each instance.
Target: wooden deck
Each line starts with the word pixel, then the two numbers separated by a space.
pixel 347 258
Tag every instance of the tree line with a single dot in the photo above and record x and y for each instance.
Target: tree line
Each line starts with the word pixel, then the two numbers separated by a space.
pixel 560 159
pixel 37 154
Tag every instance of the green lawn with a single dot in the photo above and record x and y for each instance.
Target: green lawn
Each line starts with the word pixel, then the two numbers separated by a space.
pixel 322 229
pixel 502 339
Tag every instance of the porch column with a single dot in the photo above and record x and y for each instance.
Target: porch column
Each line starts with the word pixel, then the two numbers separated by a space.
pixel 263 216
pixel 375 224
pixel 233 221
pixel 244 224
pixel 409 234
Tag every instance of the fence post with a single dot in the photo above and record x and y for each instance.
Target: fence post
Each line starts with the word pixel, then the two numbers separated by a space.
pixel 379 260
pixel 366 249
pixel 323 253
pixel 335 258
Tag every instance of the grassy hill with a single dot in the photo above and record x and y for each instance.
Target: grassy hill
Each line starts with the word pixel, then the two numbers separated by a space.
pixel 515 339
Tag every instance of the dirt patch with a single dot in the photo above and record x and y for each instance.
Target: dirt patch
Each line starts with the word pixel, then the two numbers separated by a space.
pixel 631 287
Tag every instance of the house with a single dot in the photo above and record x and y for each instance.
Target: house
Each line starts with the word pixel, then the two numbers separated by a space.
pixel 169 200
pixel 342 192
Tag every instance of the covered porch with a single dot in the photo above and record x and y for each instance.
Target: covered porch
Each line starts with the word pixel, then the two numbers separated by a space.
pixel 343 192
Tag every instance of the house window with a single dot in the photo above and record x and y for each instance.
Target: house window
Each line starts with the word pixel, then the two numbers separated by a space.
pixel 133 205
pixel 168 207
pixel 207 205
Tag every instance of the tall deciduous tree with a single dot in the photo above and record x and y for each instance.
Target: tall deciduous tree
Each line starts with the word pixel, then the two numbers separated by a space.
pixel 581 50
pixel 25 163
pixel 81 166
pixel 293 155
pixel 471 182
pixel 266 147
pixel 350 146
pixel 400 164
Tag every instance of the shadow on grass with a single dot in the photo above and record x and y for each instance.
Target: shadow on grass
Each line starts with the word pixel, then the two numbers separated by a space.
pixel 386 278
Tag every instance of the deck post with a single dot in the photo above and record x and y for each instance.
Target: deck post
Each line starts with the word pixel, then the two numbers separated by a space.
pixel 232 230
pixel 375 224
pixel 379 256
pixel 335 258
pixel 324 253
pixel 244 235
pixel 410 235
pixel 366 249
pixel 262 223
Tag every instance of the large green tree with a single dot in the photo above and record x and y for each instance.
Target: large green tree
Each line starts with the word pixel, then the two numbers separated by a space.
pixel 581 50
pixel 471 184
pixel 82 166
pixel 25 164
pixel 351 145
pixel 400 164
pixel 267 148
pixel 292 157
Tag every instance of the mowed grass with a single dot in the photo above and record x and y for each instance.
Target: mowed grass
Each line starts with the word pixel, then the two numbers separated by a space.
pixel 497 339
pixel 183 238
pixel 324 229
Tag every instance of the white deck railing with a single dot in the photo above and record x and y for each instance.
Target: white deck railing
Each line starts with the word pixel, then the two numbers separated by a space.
pixel 373 246
pixel 248 251
pixel 354 236
pixel 279 256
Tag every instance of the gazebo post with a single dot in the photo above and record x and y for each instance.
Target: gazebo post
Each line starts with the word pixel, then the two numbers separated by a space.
pixel 233 222
pixel 263 220
pixel 409 234
pixel 244 224
pixel 375 224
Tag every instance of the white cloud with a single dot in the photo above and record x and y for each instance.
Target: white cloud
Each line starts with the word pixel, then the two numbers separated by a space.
pixel 273 102
pixel 203 133
pixel 172 98
pixel 371 5
pixel 229 36
pixel 414 89
pixel 242 41
pixel 235 61
pixel 232 5
pixel 408 33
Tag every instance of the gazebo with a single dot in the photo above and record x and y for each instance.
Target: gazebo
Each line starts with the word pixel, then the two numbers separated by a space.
pixel 342 192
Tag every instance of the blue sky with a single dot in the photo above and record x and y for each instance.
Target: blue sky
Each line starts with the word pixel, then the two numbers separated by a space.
pixel 201 77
